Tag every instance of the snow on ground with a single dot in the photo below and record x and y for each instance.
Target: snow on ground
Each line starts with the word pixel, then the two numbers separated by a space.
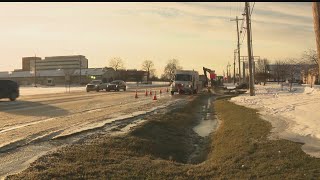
pixel 25 91
pixel 299 109
pixel 30 90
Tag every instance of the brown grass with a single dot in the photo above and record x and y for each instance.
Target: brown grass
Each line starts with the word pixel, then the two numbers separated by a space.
pixel 159 149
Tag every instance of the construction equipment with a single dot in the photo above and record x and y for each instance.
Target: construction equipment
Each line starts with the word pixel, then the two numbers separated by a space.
pixel 215 80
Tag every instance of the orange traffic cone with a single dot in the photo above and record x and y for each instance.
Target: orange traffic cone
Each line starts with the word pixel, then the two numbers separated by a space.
pixel 167 89
pixel 155 95
pixel 160 92
pixel 136 96
pixel 150 92
pixel 146 92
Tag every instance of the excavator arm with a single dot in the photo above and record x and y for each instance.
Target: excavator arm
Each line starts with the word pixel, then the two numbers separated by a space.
pixel 205 70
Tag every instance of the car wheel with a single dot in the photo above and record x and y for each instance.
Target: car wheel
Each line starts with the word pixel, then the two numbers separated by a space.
pixel 98 90
pixel 124 89
pixel 172 93
pixel 88 90
pixel 13 96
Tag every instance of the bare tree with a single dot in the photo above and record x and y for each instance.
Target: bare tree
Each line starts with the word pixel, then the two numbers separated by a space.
pixel 261 74
pixel 310 56
pixel 148 65
pixel 294 67
pixel 280 70
pixel 116 63
pixel 170 68
pixel 311 65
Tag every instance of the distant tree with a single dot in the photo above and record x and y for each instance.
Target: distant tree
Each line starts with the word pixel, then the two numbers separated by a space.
pixel 169 69
pixel 311 64
pixel 293 67
pixel 148 66
pixel 116 63
pixel 280 71
pixel 261 73
pixel 154 77
pixel 310 56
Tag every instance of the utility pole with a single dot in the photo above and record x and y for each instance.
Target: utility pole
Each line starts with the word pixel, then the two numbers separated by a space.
pixel 234 66
pixel 229 72
pixel 80 70
pixel 237 21
pixel 316 23
pixel 244 79
pixel 35 70
pixel 251 80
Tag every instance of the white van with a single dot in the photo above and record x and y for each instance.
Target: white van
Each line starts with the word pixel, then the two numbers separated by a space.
pixel 185 81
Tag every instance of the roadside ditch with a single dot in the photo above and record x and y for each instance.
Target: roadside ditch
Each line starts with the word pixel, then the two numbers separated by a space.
pixel 179 133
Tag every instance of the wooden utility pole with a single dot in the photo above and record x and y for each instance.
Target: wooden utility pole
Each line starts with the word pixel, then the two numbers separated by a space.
pixel 316 23
pixel 251 80
pixel 35 70
pixel 234 66
pixel 80 70
pixel 244 71
pixel 229 72
pixel 238 45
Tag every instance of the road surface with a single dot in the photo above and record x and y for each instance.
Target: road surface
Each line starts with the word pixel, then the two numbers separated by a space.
pixel 34 124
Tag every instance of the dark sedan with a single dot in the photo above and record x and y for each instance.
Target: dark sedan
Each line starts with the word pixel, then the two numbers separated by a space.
pixel 116 86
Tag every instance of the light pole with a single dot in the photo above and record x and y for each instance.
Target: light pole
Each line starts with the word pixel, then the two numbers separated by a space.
pixel 35 71
pixel 80 69
pixel 234 66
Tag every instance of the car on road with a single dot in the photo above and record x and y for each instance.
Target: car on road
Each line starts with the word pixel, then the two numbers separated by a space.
pixel 9 89
pixel 96 85
pixel 116 85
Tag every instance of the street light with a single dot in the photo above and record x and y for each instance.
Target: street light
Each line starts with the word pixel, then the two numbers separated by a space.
pixel 35 71
pixel 80 69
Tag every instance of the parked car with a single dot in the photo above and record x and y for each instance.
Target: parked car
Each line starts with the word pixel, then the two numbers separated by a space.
pixel 116 85
pixel 9 89
pixel 96 85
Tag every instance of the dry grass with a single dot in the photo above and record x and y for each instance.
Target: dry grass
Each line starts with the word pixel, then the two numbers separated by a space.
pixel 159 149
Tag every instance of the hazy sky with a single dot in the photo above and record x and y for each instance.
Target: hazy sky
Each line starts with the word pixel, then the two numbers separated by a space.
pixel 197 34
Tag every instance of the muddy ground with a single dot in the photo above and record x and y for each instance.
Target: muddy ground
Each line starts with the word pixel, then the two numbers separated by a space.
pixel 165 146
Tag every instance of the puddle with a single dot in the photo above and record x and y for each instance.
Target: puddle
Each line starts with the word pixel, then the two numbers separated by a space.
pixel 208 122
pixel 205 127
pixel 127 128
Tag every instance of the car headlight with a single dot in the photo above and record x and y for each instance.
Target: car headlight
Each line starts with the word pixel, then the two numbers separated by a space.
pixel 116 85
pixel 189 85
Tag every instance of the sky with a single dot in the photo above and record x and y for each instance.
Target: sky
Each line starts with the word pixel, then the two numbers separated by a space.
pixel 197 34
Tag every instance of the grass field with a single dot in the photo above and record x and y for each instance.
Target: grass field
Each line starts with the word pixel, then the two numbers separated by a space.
pixel 160 149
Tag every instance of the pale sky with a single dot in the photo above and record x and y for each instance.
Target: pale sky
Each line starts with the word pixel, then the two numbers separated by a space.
pixel 197 34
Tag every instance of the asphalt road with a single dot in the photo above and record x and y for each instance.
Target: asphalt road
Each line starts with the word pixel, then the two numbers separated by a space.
pixel 40 119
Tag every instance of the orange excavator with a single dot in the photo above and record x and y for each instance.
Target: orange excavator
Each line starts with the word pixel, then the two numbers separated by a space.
pixel 214 79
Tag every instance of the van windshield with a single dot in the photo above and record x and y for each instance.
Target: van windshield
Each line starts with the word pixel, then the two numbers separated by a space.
pixel 183 77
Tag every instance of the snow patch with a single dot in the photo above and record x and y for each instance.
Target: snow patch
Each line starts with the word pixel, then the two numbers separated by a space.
pixel 298 108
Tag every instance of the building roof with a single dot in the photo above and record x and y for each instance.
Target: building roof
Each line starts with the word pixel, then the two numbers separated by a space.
pixel 63 57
